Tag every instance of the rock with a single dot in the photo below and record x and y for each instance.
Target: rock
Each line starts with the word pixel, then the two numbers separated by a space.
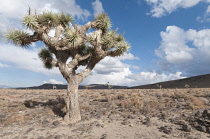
pixel 58 137
pixel 205 113
pixel 104 136
pixel 29 130
pixel 50 137
pixel 45 122
pixel 186 128
pixel 104 100
pixel 131 125
pixel 201 128
pixel 147 121
pixel 165 129
pixel 56 123
pixel 125 122
pixel 40 137
pixel 179 122
pixel 198 114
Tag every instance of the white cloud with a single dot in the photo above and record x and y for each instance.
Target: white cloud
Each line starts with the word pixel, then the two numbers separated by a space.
pixel 17 9
pixel 24 59
pixel 3 65
pixel 163 7
pixel 208 10
pixel 53 81
pixel 97 7
pixel 127 56
pixel 110 69
pixel 143 78
pixel 173 46
pixel 186 51
pixel 115 72
pixel 12 11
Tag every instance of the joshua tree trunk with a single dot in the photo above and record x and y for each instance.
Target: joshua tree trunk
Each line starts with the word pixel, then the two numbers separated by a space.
pixel 72 103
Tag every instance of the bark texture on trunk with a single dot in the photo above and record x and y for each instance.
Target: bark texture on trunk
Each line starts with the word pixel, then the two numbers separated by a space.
pixel 72 103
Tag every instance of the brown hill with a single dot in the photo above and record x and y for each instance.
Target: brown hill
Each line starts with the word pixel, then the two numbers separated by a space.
pixel 61 86
pixel 201 81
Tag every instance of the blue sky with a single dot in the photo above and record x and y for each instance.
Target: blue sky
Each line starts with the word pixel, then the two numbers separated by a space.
pixel 170 40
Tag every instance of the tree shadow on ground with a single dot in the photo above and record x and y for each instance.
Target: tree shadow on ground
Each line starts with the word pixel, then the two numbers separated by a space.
pixel 57 105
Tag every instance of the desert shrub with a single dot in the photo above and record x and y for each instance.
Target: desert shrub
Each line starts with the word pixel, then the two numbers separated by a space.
pixel 198 103
pixel 132 103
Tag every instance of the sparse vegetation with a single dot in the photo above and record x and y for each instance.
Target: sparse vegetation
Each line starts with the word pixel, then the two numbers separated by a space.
pixel 180 109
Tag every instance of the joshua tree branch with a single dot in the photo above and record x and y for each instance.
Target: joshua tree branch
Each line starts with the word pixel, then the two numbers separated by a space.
pixel 58 31
pixel 32 38
pixel 82 75
pixel 81 58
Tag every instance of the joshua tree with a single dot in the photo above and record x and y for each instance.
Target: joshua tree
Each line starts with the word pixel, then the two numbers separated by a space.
pixel 71 42
pixel 108 85
pixel 186 86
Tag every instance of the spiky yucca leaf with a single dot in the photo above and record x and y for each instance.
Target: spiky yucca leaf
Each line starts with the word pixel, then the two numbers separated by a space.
pixel 119 38
pixel 48 65
pixel 46 58
pixel 72 36
pixel 120 49
pixel 108 40
pixel 18 37
pixel 30 22
pixel 103 22
pixel 47 19
pixel 44 54
pixel 85 49
pixel 64 19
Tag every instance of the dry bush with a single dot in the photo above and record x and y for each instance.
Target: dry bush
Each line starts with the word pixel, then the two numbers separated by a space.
pixel 198 103
pixel 133 103
pixel 16 119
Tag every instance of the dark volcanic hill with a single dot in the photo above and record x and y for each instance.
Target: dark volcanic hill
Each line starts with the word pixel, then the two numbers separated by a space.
pixel 201 81
pixel 61 86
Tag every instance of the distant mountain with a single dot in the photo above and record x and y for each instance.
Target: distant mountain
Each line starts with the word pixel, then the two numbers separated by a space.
pixel 61 86
pixel 4 86
pixel 201 81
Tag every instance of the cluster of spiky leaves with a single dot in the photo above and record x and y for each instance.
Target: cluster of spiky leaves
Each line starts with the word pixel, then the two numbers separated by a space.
pixel 108 40
pixel 48 19
pixel 46 57
pixel 72 36
pixel 18 37
pixel 30 22
pixel 103 22
pixel 112 40
pixel 121 48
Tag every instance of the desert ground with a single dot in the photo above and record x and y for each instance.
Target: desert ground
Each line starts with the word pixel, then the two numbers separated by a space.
pixel 107 114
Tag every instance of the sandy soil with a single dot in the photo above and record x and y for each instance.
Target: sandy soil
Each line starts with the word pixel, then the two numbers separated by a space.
pixel 107 114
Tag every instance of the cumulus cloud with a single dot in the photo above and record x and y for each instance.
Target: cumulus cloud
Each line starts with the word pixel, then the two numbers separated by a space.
pixel 127 56
pixel 53 81
pixel 208 10
pixel 163 7
pixel 3 65
pixel 97 7
pixel 186 51
pixel 110 69
pixel 116 72
pixel 173 46
pixel 12 11
pixel 143 78
pixel 24 59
